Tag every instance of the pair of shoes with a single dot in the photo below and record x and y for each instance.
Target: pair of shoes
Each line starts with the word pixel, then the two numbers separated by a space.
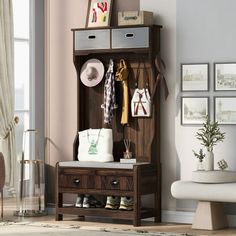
pixel 82 201
pixel 87 201
pixel 91 202
pixel 123 203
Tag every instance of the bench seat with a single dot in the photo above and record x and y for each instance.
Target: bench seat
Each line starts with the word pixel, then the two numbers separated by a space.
pixel 223 192
pixel 210 213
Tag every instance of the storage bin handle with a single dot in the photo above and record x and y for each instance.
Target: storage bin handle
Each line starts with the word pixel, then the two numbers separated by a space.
pixel 129 35
pixel 91 37
pixel 130 18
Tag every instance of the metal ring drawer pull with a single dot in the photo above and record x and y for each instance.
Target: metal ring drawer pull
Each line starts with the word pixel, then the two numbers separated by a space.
pixel 91 36
pixel 129 35
pixel 115 182
pixel 76 181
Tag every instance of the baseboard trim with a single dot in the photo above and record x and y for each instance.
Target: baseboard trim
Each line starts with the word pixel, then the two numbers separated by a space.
pixel 184 217
pixel 51 210
pixel 232 220
pixel 177 217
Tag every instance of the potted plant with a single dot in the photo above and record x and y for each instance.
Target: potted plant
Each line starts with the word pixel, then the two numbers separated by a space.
pixel 209 135
pixel 200 156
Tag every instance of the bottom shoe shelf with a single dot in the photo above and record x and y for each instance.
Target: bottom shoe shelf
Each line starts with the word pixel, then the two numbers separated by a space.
pixel 114 214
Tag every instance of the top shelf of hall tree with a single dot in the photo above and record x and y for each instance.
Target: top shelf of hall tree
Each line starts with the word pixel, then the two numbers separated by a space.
pixel 131 39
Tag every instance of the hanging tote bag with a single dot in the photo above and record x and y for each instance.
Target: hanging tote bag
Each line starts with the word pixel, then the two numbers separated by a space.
pixel 141 103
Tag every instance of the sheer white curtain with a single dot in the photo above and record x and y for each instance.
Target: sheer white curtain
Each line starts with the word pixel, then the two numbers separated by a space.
pixel 7 123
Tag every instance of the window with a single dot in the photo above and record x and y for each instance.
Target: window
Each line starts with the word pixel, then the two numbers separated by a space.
pixel 23 73
pixel 28 15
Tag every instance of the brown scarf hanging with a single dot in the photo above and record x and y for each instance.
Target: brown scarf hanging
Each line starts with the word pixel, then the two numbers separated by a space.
pixel 160 66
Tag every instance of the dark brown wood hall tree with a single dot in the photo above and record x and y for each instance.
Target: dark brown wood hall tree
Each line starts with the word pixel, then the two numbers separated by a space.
pixel 134 44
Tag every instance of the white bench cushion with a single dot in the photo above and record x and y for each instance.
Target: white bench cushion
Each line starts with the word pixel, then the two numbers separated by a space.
pixel 223 192
pixel 92 164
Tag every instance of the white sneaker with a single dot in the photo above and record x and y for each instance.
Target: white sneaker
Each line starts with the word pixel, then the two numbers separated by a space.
pixel 113 202
pixel 86 203
pixel 79 201
pixel 126 203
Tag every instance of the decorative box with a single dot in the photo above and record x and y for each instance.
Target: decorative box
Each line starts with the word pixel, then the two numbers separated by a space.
pixel 135 18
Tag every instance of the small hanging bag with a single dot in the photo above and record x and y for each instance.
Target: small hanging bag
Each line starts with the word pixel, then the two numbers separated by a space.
pixel 141 103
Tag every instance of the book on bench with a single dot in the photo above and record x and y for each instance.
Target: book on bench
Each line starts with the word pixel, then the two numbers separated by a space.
pixel 127 160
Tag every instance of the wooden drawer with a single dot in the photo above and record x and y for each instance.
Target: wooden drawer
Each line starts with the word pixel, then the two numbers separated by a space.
pixel 130 37
pixel 117 183
pixel 79 181
pixel 92 39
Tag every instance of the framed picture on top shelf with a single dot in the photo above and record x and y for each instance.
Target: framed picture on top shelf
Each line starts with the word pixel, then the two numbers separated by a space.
pixel 99 13
pixel 225 76
pixel 195 77
pixel 194 110
pixel 225 110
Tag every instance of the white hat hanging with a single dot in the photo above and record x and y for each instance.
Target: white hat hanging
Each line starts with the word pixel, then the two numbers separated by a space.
pixel 92 72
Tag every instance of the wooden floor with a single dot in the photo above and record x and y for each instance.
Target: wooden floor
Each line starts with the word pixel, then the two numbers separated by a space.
pixel 9 208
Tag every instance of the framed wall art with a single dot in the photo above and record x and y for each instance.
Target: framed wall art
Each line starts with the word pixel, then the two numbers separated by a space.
pixel 194 110
pixel 225 110
pixel 99 13
pixel 194 77
pixel 225 76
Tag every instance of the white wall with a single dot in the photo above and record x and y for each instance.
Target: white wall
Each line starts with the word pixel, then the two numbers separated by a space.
pixel 193 31
pixel 60 84
pixel 205 37
pixel 204 34
pixel 165 14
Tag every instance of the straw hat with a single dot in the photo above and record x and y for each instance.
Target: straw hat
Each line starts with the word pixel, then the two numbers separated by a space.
pixel 92 72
